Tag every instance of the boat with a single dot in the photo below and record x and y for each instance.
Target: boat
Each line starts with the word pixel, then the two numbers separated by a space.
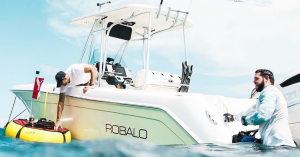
pixel 153 106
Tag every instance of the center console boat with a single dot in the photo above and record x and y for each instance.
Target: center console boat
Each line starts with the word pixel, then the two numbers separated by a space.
pixel 153 106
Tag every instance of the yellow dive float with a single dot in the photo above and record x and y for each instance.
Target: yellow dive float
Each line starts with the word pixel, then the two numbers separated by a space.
pixel 40 131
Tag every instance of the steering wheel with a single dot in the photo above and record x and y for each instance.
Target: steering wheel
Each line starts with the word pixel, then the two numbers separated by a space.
pixel 127 80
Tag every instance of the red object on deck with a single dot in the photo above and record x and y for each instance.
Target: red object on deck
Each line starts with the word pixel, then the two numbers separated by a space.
pixel 21 121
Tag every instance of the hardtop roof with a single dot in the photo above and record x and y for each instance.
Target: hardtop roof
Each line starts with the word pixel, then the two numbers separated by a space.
pixel 142 21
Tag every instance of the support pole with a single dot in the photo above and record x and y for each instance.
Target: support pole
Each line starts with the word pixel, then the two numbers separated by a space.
pixel 18 115
pixel 119 51
pixel 32 101
pixel 100 61
pixel 105 52
pixel 100 69
pixel 31 108
pixel 185 44
pixel 144 49
pixel 91 48
pixel 124 51
pixel 148 49
pixel 87 41
pixel 12 109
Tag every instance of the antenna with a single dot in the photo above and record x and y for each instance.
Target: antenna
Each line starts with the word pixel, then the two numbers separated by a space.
pixel 190 6
pixel 100 4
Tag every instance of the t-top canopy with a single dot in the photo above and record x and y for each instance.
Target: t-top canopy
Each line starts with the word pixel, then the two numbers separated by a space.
pixel 140 22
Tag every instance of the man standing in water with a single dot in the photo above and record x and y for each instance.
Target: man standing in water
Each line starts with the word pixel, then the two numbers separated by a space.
pixel 270 112
pixel 75 75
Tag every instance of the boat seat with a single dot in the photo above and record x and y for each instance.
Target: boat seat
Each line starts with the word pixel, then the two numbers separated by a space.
pixel 119 69
pixel 108 67
pixel 159 81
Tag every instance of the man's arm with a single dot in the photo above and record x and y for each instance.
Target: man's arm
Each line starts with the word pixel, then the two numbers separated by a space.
pixel 247 112
pixel 60 107
pixel 265 109
pixel 90 69
pixel 230 118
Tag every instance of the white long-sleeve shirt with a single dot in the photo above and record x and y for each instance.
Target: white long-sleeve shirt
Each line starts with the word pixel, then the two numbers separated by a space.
pixel 271 114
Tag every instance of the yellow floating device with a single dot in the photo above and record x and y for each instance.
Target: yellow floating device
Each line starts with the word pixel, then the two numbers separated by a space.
pixel 37 132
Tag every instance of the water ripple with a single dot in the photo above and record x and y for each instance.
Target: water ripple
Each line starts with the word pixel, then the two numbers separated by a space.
pixel 11 147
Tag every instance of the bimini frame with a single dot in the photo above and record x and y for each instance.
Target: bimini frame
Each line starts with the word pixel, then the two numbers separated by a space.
pixel 147 36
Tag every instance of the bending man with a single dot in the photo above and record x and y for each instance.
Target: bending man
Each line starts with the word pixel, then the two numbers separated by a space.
pixel 270 112
pixel 75 75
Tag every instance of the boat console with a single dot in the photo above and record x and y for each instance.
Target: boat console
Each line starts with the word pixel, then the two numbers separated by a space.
pixel 115 75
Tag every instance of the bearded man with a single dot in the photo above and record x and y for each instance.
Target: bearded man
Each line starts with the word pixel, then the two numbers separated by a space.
pixel 270 112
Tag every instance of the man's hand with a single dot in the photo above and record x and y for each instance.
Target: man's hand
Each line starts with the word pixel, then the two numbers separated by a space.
pixel 85 89
pixel 57 124
pixel 228 117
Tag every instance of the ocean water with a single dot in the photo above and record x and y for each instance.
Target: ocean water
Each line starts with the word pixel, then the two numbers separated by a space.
pixel 10 147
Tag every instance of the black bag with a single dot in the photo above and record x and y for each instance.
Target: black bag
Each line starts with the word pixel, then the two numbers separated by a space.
pixel 238 138
pixel 43 123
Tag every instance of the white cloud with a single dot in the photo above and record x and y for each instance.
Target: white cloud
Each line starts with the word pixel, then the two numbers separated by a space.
pixel 241 38
pixel 67 30
pixel 254 2
pixel 49 70
pixel 236 38
pixel 242 89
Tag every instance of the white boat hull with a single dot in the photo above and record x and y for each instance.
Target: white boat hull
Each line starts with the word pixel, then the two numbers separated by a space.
pixel 158 117
pixel 292 96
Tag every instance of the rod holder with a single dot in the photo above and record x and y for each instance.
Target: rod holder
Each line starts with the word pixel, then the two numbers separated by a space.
pixel 177 16
pixel 168 14
pixel 159 8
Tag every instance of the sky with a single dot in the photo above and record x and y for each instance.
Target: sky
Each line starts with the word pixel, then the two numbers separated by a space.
pixel 229 41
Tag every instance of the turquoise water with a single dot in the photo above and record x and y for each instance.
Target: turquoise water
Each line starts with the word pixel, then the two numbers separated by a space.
pixel 10 147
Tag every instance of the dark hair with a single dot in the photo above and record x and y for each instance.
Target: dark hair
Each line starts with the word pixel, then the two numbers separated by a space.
pixel 264 72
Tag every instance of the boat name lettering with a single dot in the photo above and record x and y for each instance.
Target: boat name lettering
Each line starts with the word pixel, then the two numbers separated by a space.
pixel 122 130
pixel 292 95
